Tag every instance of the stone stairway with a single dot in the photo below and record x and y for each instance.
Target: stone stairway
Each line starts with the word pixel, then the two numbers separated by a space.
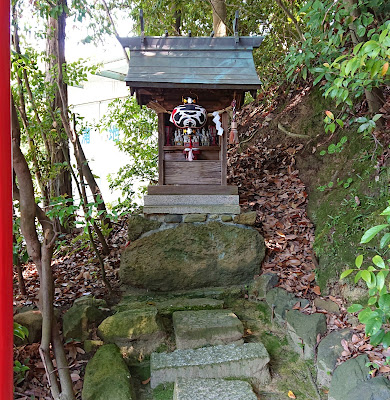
pixel 211 360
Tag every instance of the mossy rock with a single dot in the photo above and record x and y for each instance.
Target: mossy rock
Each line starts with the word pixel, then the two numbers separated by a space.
pixel 303 330
pixel 32 320
pixel 107 376
pixel 193 256
pixel 168 307
pixel 126 305
pixel 126 326
pixel 90 301
pixel 138 225
pixel 77 319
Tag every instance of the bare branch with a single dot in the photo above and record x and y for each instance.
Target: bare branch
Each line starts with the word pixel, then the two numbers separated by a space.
pixel 113 26
pixel 293 19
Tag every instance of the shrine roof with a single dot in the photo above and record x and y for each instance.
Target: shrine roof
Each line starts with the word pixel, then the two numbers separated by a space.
pixel 192 62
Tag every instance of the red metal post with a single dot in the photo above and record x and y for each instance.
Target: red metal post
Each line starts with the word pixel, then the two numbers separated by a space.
pixel 6 320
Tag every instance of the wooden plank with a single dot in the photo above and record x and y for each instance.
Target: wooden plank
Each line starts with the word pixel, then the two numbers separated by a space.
pixel 158 43
pixel 236 77
pixel 223 156
pixel 192 189
pixel 196 172
pixel 205 148
pixel 173 68
pixel 179 156
pixel 217 55
pixel 188 60
pixel 174 156
pixel 208 155
pixel 135 82
pixel 161 140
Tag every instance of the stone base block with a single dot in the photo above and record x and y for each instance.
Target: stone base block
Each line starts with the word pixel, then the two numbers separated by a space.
pixel 212 389
pixel 247 362
pixel 190 199
pixel 192 209
pixel 206 327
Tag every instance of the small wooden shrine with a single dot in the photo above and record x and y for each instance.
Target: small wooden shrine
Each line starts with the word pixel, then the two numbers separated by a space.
pixel 210 75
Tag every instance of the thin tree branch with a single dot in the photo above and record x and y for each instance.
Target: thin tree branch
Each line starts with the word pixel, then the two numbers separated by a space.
pixel 289 15
pixel 114 27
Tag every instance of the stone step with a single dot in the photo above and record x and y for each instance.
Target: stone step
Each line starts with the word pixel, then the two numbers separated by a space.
pixel 192 209
pixel 206 327
pixel 247 362
pixel 212 389
pixel 190 199
pixel 168 307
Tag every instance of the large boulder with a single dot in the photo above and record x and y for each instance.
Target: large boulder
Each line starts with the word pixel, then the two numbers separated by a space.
pixel 193 256
pixel 107 376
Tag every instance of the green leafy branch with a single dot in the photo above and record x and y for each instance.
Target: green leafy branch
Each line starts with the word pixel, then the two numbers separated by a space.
pixel 376 315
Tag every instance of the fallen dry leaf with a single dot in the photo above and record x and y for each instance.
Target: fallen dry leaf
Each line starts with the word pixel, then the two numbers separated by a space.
pixel 317 290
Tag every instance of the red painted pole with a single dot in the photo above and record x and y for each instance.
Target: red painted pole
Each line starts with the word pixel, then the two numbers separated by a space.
pixel 6 319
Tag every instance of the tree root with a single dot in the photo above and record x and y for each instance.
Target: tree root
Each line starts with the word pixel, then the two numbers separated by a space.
pixel 293 135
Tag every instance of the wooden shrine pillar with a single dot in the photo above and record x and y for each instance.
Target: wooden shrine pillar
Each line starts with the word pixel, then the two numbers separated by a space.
pixel 161 139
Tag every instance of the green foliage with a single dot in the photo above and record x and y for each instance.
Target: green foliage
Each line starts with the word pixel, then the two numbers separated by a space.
pixel 376 315
pixel 19 246
pixel 367 125
pixel 346 50
pixel 20 371
pixel 20 331
pixel 335 148
pixel 62 208
pixel 138 127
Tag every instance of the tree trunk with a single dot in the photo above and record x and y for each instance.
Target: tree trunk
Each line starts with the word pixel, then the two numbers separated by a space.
pixel 42 256
pixel 61 185
pixel 27 197
pixel 177 18
pixel 19 270
pixel 219 17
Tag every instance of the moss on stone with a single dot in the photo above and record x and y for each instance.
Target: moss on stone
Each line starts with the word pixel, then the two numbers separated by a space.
pixel 129 325
pixel 77 319
pixel 287 370
pixel 163 391
pixel 192 256
pixel 138 225
pixel 107 376
pixel 168 307
pixel 140 370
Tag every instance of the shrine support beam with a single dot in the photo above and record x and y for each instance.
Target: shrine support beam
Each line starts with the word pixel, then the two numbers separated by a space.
pixel 6 318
